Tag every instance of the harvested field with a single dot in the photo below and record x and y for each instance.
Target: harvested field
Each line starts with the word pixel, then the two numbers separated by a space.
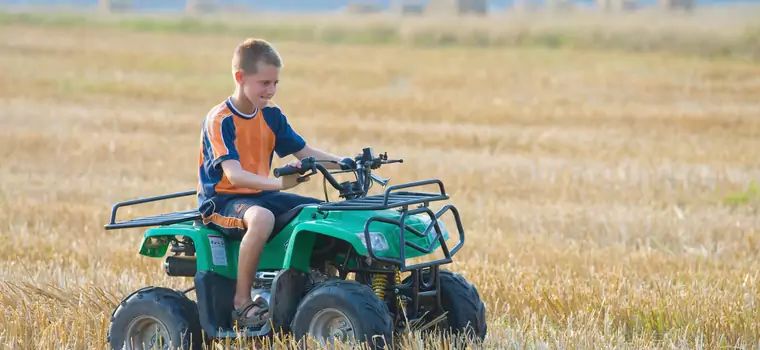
pixel 608 197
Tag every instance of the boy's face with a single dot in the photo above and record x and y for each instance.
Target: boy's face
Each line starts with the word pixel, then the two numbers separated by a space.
pixel 260 87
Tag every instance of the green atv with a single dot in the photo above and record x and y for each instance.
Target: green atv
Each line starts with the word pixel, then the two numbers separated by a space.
pixel 304 268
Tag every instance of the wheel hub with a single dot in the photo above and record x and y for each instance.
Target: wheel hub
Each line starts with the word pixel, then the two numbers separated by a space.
pixel 147 332
pixel 331 324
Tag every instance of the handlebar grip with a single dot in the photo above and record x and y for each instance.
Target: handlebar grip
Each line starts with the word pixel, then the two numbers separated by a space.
pixel 287 170
pixel 306 165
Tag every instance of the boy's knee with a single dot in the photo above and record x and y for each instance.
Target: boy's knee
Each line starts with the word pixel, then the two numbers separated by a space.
pixel 259 220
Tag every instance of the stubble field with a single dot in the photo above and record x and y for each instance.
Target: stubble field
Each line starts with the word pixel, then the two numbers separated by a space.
pixel 606 197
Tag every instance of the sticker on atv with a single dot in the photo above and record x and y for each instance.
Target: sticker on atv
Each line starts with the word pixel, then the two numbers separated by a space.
pixel 218 250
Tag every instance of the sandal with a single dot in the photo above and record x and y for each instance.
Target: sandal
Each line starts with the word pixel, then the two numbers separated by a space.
pixel 258 318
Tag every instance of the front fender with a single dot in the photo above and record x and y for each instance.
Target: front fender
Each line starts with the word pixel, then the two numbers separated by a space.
pixel 301 243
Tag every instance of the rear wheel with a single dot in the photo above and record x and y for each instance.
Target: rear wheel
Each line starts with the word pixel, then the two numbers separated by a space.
pixel 346 311
pixel 155 318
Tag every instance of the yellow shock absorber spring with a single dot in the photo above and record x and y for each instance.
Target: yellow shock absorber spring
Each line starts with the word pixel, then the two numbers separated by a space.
pixel 379 282
pixel 399 301
pixel 398 297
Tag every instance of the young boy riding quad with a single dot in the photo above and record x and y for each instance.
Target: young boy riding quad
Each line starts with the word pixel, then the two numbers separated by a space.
pixel 265 262
pixel 238 140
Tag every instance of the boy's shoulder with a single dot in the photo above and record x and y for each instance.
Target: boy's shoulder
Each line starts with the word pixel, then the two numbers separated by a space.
pixel 219 111
pixel 272 109
pixel 273 114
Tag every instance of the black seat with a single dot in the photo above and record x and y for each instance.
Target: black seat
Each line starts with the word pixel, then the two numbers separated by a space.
pixel 282 220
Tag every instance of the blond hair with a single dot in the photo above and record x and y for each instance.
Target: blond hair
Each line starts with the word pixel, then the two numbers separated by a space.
pixel 250 52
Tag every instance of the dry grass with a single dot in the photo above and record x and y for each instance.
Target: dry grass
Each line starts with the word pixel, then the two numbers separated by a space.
pixel 592 185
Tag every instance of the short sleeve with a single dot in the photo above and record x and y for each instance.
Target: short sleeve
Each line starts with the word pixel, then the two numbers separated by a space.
pixel 221 135
pixel 287 140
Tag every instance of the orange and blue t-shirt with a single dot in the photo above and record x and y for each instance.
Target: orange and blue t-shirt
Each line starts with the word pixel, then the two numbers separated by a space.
pixel 252 139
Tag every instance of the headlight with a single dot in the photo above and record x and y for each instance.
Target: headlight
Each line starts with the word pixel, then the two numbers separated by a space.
pixel 431 234
pixel 378 241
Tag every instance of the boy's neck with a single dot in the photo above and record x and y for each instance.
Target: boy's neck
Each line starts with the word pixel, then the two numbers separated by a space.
pixel 241 103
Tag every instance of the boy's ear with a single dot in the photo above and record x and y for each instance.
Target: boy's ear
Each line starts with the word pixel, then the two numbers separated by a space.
pixel 238 76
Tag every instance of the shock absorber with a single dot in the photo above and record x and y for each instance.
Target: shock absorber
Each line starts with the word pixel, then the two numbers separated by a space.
pixel 379 282
pixel 398 297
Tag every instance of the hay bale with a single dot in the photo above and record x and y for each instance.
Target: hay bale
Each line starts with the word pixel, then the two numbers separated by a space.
pixel 616 5
pixel 114 5
pixel 363 7
pixel 458 7
pixel 560 6
pixel 526 6
pixel 201 6
pixel 408 7
pixel 675 5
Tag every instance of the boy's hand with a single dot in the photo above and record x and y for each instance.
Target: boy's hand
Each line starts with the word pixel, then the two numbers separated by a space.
pixel 289 181
pixel 295 164
pixel 347 163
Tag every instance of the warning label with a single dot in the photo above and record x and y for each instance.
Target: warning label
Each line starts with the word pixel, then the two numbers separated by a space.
pixel 218 250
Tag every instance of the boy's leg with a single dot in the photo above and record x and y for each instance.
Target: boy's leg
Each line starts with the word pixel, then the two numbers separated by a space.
pixel 258 222
pixel 258 217
pixel 246 219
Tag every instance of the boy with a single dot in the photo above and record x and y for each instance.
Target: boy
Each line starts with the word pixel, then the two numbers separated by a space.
pixel 235 193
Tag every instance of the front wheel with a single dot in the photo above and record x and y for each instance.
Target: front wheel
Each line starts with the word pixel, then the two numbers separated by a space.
pixel 466 311
pixel 346 311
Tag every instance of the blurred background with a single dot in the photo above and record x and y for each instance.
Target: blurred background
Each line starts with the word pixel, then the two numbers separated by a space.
pixel 401 6
pixel 704 27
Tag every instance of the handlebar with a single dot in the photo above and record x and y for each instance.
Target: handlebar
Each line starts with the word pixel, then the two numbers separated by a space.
pixel 307 164
pixel 363 165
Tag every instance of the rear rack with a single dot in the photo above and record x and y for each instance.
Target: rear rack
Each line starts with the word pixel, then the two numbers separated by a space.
pixel 155 220
pixel 390 200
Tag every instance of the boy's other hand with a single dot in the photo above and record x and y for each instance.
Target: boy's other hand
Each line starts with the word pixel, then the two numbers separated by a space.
pixel 347 163
pixel 290 181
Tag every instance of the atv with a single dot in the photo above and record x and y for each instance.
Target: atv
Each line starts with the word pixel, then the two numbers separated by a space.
pixel 304 269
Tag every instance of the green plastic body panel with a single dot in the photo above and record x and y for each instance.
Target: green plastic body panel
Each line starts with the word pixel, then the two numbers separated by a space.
pixel 293 245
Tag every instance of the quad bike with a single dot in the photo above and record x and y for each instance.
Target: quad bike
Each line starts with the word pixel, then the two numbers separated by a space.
pixel 304 268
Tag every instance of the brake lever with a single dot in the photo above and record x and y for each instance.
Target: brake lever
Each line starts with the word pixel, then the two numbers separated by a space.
pixel 312 166
pixel 380 180
pixel 303 177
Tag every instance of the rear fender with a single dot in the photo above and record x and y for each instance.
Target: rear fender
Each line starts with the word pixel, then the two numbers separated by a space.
pixel 213 252
pixel 155 241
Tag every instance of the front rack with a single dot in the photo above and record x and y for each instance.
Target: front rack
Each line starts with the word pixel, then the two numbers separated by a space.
pixel 155 220
pixel 389 200
pixel 404 199
pixel 403 243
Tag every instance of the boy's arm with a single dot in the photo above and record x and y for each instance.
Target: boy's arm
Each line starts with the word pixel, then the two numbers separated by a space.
pixel 309 151
pixel 289 142
pixel 240 178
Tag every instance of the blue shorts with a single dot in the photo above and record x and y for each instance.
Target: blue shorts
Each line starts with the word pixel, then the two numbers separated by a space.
pixel 224 213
